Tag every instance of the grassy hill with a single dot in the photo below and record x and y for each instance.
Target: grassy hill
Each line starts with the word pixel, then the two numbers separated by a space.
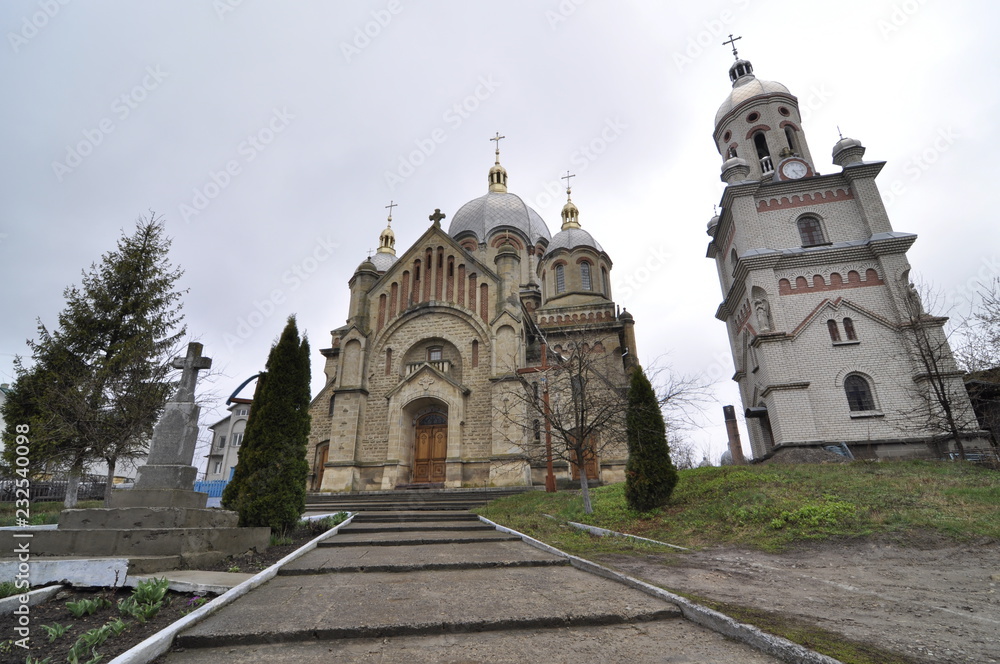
pixel 771 507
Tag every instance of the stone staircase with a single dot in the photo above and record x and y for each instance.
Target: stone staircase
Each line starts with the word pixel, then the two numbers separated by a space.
pixel 423 587
pixel 408 500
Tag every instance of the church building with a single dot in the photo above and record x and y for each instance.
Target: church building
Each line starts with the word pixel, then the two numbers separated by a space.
pixel 829 337
pixel 421 381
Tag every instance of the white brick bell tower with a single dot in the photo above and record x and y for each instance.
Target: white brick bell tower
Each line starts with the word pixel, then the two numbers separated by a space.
pixel 816 291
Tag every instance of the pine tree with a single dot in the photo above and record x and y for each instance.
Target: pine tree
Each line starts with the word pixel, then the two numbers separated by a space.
pixel 99 380
pixel 650 475
pixel 269 484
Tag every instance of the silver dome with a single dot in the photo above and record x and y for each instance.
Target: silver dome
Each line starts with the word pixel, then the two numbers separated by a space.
pixel 496 210
pixel 570 239
pixel 383 261
pixel 745 88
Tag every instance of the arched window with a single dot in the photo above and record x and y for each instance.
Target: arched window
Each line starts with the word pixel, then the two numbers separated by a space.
pixel 604 282
pixel 810 232
pixel 831 325
pixel 733 258
pixel 560 279
pixel 859 393
pixel 790 137
pixel 849 330
pixel 585 275
pixel 538 430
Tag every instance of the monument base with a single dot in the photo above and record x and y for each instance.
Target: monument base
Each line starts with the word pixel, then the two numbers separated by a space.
pixel 158 498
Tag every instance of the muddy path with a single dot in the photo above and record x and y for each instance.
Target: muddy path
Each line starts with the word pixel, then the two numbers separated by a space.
pixel 934 602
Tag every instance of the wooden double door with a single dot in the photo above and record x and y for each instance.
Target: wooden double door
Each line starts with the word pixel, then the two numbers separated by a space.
pixel 430 448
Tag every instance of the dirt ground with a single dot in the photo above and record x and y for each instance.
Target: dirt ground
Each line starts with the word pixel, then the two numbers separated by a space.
pixel 934 602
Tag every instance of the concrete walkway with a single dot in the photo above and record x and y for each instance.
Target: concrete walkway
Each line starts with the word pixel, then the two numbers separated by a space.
pixel 442 587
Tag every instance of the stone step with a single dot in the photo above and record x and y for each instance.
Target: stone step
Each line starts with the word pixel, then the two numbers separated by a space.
pixel 415 517
pixel 409 539
pixel 656 642
pixel 383 604
pixel 471 555
pixel 353 506
pixel 400 527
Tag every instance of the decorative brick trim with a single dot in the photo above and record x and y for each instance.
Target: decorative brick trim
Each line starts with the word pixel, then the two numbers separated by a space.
pixel 753 130
pixel 799 200
pixel 500 239
pixel 837 282
pixel 788 123
pixel 577 319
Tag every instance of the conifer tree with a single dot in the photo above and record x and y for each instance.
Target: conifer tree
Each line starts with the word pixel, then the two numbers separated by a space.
pixel 99 380
pixel 650 475
pixel 269 484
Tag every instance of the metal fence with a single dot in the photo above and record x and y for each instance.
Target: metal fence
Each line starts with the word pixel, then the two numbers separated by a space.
pixel 53 490
pixel 213 488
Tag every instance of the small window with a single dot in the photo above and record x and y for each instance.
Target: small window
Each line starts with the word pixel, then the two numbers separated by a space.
pixel 538 430
pixel 859 394
pixel 434 354
pixel 560 279
pixel 604 282
pixel 733 259
pixel 810 232
pixel 242 412
pixel 237 439
pixel 332 403
pixel 222 441
pixel 585 275
pixel 218 467
pixel 831 325
pixel 849 330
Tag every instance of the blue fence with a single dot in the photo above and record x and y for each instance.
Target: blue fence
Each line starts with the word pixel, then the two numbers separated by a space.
pixel 213 488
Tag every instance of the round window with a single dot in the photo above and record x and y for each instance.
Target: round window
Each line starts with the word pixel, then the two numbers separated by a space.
pixel 753 117
pixel 727 136
pixel 784 111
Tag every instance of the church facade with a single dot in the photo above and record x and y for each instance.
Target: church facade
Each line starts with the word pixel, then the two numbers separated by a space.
pixel 422 381
pixel 830 340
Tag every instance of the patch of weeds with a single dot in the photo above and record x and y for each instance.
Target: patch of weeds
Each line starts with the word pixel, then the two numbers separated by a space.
pixel 9 589
pixel 827 513
pixel 281 540
pixel 235 569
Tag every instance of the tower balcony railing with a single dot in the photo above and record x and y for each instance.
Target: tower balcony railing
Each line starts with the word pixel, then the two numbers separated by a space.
pixel 444 366
pixel 766 167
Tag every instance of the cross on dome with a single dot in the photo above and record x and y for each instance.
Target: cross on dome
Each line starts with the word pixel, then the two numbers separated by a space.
pixel 732 41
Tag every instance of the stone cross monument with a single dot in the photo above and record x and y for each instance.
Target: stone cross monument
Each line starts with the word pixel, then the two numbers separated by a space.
pixel 167 479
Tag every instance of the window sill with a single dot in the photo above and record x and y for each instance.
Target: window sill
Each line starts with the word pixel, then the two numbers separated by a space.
pixel 860 414
pixel 852 342
pixel 818 244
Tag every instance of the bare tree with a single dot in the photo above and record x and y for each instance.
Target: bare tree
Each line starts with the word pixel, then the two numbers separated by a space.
pixel 573 403
pixel 943 407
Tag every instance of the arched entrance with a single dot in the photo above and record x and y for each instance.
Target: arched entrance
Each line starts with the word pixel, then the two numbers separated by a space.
pixel 430 448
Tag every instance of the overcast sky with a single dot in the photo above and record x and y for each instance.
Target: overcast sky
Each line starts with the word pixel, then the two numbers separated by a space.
pixel 270 136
